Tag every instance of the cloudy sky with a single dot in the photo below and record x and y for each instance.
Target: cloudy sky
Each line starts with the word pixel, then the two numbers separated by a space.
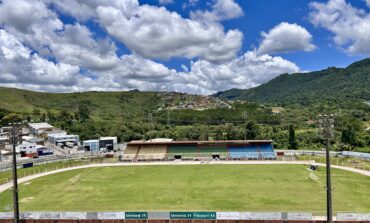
pixel 195 46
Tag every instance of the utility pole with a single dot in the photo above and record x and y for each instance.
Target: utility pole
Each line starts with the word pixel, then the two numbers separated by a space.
pixel 150 119
pixel 326 130
pixel 15 176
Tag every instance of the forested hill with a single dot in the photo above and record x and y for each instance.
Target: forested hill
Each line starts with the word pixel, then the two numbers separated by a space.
pixel 125 105
pixel 333 84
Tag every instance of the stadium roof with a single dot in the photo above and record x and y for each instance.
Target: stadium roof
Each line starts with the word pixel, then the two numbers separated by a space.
pixel 160 140
pixel 200 142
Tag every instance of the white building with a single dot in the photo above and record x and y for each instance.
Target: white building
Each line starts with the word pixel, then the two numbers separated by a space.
pixel 91 145
pixel 39 128
pixel 108 143
pixel 57 138
pixel 55 132
pixel 26 147
pixel 32 139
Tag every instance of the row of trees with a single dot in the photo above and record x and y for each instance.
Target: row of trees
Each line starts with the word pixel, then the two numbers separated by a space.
pixel 254 126
pixel 349 137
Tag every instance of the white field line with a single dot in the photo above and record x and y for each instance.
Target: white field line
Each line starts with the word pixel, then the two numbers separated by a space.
pixel 8 185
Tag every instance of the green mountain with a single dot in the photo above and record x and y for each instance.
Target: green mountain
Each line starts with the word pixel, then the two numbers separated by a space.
pixel 103 105
pixel 336 85
pixel 126 105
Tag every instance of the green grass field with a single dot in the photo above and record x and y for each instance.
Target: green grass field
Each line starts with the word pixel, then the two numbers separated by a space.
pixel 195 187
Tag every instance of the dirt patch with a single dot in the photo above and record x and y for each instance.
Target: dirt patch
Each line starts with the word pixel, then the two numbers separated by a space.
pixel 75 179
pixel 26 199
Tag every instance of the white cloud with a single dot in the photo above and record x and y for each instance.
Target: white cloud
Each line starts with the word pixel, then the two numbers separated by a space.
pixel 75 45
pixel 246 71
pixel 20 15
pixel 84 10
pixel 221 10
pixel 165 2
pixel 350 26
pixel 45 33
pixel 157 33
pixel 19 65
pixel 22 68
pixel 39 52
pixel 284 38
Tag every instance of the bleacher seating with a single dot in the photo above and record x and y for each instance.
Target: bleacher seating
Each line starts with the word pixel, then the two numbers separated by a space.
pixel 159 152
pixel 145 152
pixel 152 152
pixel 266 151
pixel 185 151
pixel 209 151
pixel 199 151
pixel 243 152
pixel 131 152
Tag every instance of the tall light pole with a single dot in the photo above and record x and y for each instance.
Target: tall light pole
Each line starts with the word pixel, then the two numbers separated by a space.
pixel 13 139
pixel 326 130
pixel 15 176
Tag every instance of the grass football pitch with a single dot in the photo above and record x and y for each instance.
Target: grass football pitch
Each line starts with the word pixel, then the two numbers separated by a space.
pixel 193 187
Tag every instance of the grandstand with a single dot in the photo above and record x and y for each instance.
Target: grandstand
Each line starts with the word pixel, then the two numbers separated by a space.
pixel 199 150
pixel 131 152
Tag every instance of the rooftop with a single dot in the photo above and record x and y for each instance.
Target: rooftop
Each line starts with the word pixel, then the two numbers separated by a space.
pixel 91 140
pixel 62 136
pixel 40 125
pixel 160 140
pixel 108 138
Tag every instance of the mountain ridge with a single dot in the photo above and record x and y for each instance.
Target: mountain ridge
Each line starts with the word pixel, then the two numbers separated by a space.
pixel 350 83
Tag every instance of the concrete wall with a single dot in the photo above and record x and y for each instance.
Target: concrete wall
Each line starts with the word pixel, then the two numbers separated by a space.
pixel 168 217
pixel 167 221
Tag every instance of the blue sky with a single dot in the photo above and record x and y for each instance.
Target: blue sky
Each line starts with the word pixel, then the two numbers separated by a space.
pixel 195 46
pixel 262 15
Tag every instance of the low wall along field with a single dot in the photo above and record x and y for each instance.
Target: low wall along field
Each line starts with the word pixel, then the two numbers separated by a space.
pixel 174 217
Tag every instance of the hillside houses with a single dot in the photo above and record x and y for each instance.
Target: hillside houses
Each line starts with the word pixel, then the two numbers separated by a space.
pixel 178 101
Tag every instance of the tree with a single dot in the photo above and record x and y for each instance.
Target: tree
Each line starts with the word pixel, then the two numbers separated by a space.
pixel 50 115
pixel 219 133
pixel 36 111
pixel 11 118
pixel 349 135
pixel 43 117
pixel 83 112
pixel 76 116
pixel 3 113
pixel 351 129
pixel 232 133
pixel 293 144
pixel 64 114
pixel 252 130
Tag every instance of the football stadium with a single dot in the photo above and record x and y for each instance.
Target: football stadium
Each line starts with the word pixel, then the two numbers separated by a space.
pixel 184 111
pixel 190 181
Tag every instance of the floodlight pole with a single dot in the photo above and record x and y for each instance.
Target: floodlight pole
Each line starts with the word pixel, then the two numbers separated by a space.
pixel 328 184
pixel 326 129
pixel 15 178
